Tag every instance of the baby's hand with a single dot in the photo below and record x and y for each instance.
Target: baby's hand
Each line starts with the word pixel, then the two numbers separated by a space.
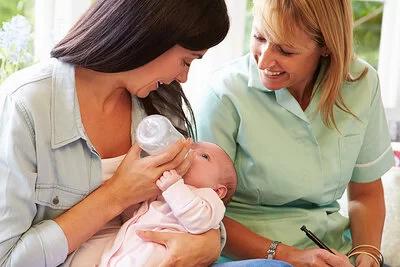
pixel 167 179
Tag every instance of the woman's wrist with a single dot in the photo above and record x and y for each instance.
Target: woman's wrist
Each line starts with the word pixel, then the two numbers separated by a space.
pixel 114 204
pixel 366 260
pixel 366 253
pixel 285 253
pixel 271 252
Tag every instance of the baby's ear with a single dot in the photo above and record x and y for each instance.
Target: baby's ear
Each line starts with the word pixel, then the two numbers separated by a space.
pixel 221 191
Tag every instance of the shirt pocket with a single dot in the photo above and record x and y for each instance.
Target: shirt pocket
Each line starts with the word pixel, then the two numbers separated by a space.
pixel 349 149
pixel 58 197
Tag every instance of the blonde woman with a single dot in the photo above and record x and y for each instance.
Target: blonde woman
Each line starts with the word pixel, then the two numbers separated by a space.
pixel 302 120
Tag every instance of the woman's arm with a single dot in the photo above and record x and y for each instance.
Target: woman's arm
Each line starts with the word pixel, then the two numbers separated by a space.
pixel 367 214
pixel 23 242
pixel 133 182
pixel 242 243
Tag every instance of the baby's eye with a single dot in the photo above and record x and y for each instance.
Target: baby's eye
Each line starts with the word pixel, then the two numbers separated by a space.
pixel 204 156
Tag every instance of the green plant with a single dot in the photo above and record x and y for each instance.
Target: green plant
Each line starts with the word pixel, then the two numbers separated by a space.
pixel 15 40
pixel 9 8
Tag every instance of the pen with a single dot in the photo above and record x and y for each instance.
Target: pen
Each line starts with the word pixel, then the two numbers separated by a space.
pixel 315 239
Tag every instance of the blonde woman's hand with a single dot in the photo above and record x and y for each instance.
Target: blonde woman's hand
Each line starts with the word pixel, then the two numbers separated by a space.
pixel 318 257
pixel 135 179
pixel 364 260
pixel 185 249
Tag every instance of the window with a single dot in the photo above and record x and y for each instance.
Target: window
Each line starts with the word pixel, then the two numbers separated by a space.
pixel 367 29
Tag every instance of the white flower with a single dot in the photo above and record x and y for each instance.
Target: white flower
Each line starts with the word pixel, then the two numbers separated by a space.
pixel 14 40
pixel 14 45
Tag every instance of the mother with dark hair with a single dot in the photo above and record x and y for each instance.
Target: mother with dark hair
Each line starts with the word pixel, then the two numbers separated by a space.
pixel 69 164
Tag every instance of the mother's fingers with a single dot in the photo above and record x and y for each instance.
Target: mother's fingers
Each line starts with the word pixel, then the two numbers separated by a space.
pixel 185 165
pixel 184 249
pixel 173 156
pixel 134 152
pixel 152 236
pixel 180 158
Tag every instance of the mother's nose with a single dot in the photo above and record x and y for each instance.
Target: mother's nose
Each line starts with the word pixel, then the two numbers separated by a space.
pixel 183 75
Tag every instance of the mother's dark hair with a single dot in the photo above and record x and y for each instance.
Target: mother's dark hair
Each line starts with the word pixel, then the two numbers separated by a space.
pixel 121 35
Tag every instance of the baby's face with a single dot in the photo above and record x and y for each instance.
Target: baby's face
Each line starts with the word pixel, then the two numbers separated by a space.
pixel 205 170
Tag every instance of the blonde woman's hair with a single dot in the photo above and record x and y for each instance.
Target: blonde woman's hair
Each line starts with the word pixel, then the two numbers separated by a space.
pixel 329 23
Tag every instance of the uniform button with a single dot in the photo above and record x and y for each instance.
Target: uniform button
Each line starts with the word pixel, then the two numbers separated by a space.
pixel 56 200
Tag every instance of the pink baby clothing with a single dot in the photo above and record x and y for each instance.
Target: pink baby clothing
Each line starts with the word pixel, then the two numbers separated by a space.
pixel 181 208
pixel 89 253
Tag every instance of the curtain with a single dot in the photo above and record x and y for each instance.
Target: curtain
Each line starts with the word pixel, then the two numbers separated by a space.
pixel 53 19
pixel 389 58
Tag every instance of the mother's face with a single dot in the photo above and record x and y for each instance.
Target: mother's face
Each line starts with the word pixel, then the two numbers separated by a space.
pixel 172 65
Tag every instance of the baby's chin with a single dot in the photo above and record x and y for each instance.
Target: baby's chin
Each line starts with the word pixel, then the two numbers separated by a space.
pixel 188 180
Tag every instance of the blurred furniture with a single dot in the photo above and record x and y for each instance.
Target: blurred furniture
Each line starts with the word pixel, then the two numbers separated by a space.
pixel 391 232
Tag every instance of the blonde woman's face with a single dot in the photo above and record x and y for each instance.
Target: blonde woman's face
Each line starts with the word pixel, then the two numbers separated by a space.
pixel 282 66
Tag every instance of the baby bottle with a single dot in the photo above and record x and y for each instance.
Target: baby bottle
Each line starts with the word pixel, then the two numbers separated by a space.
pixel 155 134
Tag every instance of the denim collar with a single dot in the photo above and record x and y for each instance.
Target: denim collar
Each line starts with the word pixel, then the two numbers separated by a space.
pixel 66 123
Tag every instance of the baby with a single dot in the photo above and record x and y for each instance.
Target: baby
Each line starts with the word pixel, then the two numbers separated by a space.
pixel 194 203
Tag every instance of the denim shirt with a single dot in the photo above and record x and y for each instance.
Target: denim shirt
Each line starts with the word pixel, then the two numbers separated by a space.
pixel 47 163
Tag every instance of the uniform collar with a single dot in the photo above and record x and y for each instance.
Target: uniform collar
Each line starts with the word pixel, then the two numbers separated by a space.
pixel 283 97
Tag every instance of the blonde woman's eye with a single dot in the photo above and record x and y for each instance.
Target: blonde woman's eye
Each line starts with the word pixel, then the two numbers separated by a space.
pixel 258 38
pixel 186 64
pixel 283 52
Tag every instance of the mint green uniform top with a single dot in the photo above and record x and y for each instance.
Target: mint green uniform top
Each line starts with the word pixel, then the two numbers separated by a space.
pixel 291 168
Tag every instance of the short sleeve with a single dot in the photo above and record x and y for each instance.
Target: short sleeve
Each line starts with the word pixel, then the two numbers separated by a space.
pixel 376 155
